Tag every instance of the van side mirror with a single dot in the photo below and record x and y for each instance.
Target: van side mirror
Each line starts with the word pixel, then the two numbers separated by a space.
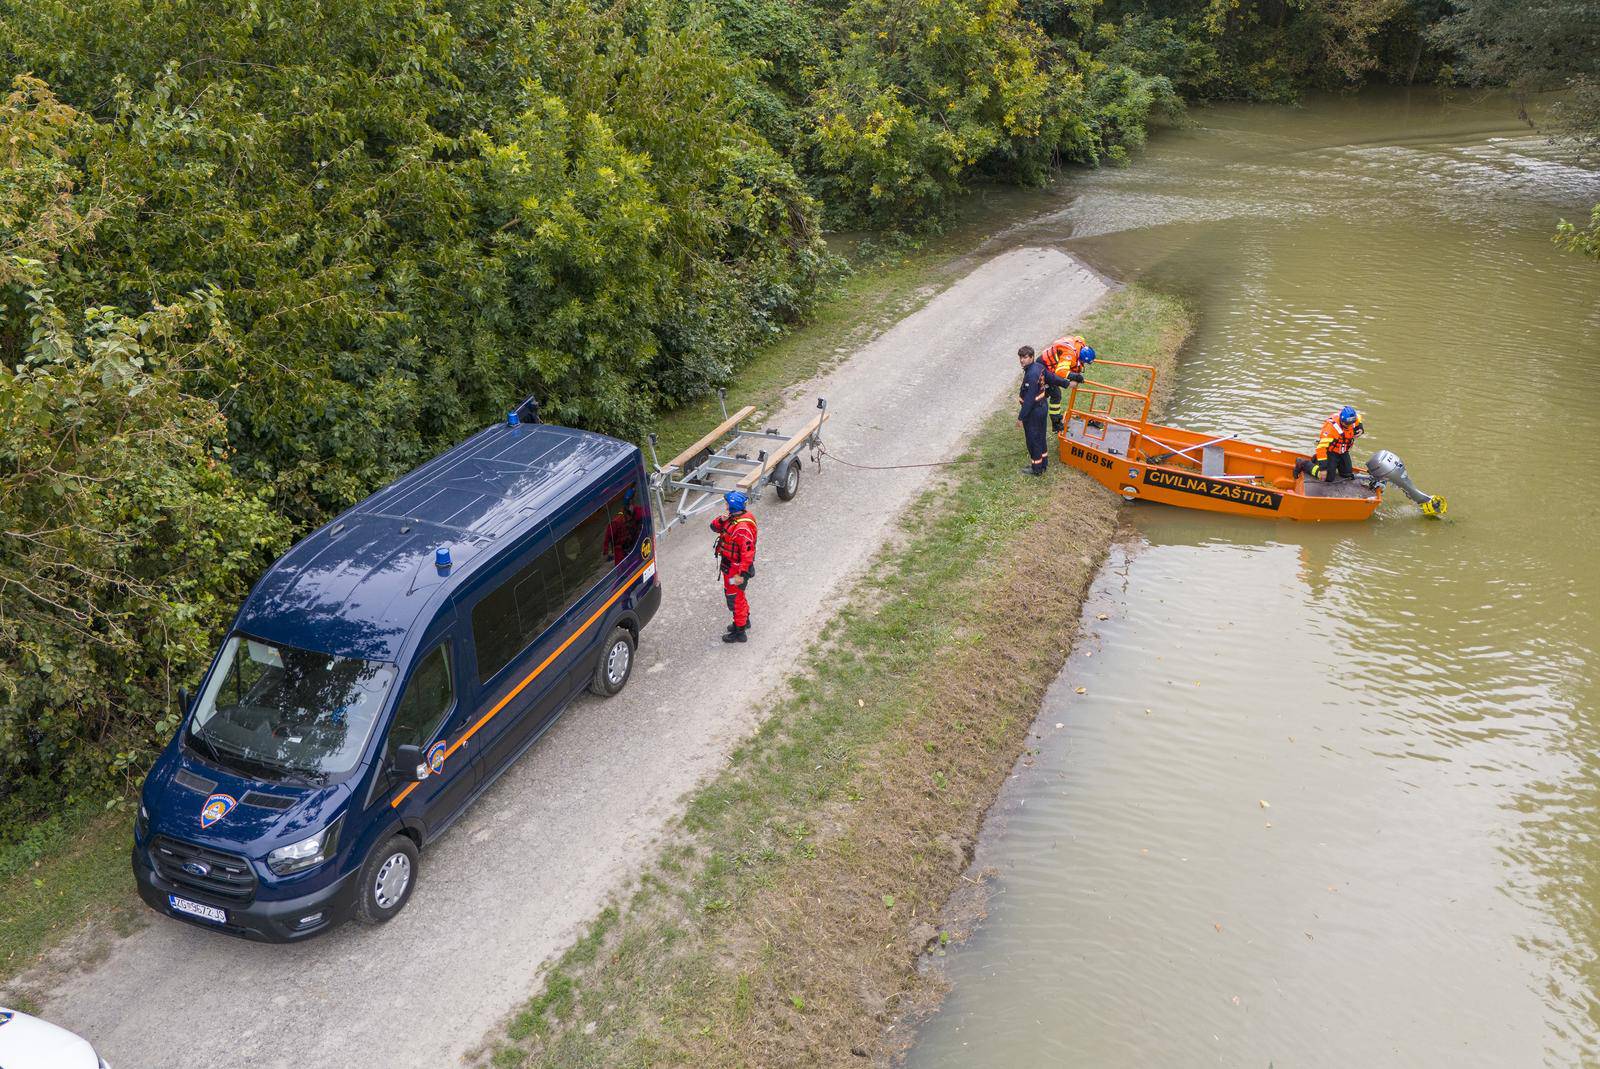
pixel 183 702
pixel 407 760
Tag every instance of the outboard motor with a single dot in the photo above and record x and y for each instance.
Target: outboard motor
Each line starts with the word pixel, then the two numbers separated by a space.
pixel 1384 467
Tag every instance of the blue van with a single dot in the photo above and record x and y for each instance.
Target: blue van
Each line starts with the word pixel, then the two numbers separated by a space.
pixel 387 669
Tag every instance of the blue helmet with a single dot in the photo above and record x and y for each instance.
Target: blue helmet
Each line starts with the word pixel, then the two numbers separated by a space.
pixel 736 500
pixel 1347 414
pixel 1087 354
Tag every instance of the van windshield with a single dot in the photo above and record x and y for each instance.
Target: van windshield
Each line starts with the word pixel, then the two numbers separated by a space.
pixel 288 712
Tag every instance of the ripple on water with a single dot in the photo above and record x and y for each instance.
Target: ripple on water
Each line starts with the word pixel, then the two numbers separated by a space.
pixel 1415 702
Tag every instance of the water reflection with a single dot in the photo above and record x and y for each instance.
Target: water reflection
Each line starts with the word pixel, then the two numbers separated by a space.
pixel 1415 702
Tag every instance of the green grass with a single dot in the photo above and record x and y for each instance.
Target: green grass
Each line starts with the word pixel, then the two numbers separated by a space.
pixel 64 869
pixel 1138 326
pixel 797 870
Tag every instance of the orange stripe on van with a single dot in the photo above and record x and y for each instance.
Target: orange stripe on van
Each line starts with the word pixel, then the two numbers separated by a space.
pixel 531 676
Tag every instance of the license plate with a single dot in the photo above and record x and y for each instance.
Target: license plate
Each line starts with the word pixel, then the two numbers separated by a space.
pixel 196 909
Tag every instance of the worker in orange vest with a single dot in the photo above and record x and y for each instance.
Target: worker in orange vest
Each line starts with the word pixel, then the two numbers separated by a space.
pixel 1066 358
pixel 1339 432
pixel 736 557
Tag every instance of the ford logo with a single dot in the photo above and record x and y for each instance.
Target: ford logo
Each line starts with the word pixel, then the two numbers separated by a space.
pixel 197 868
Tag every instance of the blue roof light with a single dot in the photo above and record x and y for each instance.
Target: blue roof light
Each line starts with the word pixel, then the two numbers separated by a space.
pixel 441 558
pixel 512 419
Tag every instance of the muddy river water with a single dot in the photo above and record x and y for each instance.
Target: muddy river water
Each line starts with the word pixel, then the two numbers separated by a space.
pixel 1332 795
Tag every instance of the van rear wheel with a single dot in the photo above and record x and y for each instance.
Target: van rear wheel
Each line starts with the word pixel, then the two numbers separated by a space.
pixel 387 879
pixel 611 672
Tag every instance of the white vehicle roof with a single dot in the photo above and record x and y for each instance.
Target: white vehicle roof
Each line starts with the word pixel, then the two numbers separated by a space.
pixel 29 1043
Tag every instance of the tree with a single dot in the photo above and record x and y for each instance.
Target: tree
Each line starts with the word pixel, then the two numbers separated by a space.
pixel 1581 239
pixel 1536 47
pixel 126 539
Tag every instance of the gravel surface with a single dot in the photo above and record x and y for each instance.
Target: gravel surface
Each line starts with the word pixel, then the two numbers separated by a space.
pixel 536 857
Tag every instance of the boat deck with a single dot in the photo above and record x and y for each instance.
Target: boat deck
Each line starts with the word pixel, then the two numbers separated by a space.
pixel 1353 488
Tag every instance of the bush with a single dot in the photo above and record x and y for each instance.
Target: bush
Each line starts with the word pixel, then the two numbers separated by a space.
pixel 128 537
pixel 923 93
pixel 252 267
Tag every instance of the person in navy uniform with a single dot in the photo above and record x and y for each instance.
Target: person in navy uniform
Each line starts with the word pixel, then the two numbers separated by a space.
pixel 1033 413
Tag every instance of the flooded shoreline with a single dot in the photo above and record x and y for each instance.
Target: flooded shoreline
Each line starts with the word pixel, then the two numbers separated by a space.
pixel 1358 823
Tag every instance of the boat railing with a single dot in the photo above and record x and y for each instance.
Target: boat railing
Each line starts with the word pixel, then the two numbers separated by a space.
pixel 1100 399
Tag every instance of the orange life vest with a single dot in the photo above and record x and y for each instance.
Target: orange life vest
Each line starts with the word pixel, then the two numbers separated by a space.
pixel 1062 355
pixel 1336 437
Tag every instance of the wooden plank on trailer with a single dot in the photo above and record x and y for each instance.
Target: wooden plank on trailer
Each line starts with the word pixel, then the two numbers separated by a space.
pixel 776 457
pixel 727 425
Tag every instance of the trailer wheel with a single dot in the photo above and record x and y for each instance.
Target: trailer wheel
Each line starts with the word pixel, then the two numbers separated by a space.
pixel 789 479
pixel 611 672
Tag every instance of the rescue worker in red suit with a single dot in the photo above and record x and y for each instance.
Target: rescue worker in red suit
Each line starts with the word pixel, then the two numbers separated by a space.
pixel 736 556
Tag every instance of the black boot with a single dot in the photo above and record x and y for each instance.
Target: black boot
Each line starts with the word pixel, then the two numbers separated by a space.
pixel 735 634
pixel 734 627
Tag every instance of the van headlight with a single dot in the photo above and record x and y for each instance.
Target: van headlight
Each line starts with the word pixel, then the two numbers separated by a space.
pixel 141 823
pixel 307 853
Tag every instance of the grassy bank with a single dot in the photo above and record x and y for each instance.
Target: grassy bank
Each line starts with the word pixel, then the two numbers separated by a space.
pixel 74 866
pixel 782 924
pixel 66 869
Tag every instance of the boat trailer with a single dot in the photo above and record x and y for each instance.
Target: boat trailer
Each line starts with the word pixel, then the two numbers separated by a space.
pixel 731 458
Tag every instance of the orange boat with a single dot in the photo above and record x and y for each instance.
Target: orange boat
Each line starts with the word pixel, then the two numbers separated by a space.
pixel 1109 435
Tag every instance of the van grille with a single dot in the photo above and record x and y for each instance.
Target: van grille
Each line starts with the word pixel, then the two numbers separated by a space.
pixel 223 875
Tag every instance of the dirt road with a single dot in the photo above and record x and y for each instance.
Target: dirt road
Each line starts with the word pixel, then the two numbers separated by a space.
pixel 537 856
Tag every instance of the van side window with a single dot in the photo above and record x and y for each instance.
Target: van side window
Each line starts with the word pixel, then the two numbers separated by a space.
pixel 624 527
pixel 601 542
pixel 539 601
pixel 427 699
pixel 509 618
pixel 583 556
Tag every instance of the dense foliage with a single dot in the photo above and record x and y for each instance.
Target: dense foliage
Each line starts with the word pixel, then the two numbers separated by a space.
pixel 1554 45
pixel 127 532
pixel 255 259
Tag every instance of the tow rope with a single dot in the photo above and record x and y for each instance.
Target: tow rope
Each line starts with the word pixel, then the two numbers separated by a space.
pixel 823 451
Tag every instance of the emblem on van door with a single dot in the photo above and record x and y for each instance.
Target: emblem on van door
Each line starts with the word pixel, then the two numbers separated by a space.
pixel 646 549
pixel 197 868
pixel 436 757
pixel 216 807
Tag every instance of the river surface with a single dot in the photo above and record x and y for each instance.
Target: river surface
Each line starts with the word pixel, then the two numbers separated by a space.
pixel 1332 795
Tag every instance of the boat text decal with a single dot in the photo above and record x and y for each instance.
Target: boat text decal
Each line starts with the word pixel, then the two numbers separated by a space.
pixel 1226 491
pixel 1083 454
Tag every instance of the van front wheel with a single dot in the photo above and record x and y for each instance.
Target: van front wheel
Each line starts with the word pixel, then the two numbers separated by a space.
pixel 387 878
pixel 615 665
